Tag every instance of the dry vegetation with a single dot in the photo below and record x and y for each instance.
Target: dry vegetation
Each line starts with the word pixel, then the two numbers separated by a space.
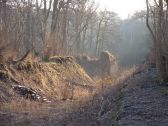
pixel 105 65
pixel 71 85
pixel 59 79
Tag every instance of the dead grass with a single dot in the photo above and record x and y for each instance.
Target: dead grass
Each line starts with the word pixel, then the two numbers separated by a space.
pixel 21 112
pixel 106 81
pixel 21 105
pixel 60 78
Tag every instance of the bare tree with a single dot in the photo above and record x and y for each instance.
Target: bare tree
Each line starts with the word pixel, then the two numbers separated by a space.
pixel 158 13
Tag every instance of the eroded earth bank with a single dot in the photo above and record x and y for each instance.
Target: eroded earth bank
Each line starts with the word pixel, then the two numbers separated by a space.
pixel 77 91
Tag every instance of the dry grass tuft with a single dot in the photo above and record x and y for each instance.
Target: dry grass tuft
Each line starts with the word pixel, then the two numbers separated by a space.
pixel 23 112
pixel 21 105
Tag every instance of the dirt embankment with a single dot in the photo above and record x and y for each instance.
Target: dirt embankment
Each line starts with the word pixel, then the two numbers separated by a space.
pixel 60 78
pixel 105 65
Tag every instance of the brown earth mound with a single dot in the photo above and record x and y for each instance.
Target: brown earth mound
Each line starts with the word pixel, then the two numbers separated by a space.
pixel 105 65
pixel 60 78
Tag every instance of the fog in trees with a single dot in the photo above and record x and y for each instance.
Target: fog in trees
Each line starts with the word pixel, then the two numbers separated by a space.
pixel 63 27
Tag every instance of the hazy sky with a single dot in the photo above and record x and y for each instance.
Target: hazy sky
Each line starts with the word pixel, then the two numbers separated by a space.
pixel 122 7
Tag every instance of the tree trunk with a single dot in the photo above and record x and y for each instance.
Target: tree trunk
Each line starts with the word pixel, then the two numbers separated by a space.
pixel 161 59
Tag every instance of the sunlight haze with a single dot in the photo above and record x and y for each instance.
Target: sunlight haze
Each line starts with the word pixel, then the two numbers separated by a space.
pixel 122 7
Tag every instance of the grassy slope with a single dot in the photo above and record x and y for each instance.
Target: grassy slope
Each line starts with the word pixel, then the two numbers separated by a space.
pixel 60 71
pixel 60 78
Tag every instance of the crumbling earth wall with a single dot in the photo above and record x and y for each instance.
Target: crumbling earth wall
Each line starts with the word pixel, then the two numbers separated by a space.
pixel 105 65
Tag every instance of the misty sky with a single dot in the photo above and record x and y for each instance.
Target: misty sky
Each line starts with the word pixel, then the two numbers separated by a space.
pixel 122 7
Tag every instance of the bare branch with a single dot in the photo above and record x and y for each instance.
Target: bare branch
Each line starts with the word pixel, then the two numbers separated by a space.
pixel 147 21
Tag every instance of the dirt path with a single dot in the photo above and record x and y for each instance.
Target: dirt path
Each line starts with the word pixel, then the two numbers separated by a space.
pixel 144 102
pixel 139 100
